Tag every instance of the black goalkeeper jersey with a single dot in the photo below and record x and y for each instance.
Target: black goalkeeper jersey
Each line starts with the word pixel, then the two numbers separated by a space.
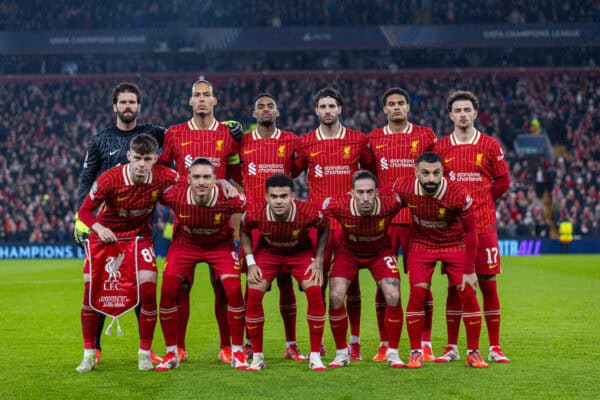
pixel 107 149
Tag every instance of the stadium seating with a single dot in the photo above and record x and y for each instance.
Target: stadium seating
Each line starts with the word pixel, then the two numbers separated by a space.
pixel 112 14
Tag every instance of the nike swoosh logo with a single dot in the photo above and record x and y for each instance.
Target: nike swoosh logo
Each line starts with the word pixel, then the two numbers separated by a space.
pixel 394 320
pixel 380 146
pixel 447 160
pixel 185 143
pixel 113 152
pixel 249 151
pixel 251 327
pixel 492 266
pixel 238 316
pixel 184 216
pixel 316 153
pixel 412 206
pixel 318 326
pixel 474 322
pixel 237 267
pixel 122 198
pixel 413 321
pixel 350 226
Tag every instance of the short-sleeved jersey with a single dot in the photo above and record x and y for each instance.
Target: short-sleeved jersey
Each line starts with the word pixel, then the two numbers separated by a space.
pixel 395 154
pixel 202 225
pixel 126 207
pixel 283 237
pixel 475 165
pixel 436 219
pixel 363 235
pixel 263 157
pixel 186 142
pixel 331 162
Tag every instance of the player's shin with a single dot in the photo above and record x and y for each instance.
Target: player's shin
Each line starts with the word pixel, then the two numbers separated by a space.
pixel 183 311
pixel 89 321
pixel 235 309
pixel 148 313
pixel 353 307
pixel 393 324
pixel 221 314
pixel 338 320
pixel 255 319
pixel 471 315
pixel 315 316
pixel 415 315
pixel 380 314
pixel 491 309
pixel 287 306
pixel 453 315
pixel 168 309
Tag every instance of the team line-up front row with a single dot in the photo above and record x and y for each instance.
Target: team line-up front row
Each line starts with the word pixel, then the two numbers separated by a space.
pixel 280 234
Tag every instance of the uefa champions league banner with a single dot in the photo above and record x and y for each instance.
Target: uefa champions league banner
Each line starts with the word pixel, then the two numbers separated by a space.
pixel 507 247
pixel 299 38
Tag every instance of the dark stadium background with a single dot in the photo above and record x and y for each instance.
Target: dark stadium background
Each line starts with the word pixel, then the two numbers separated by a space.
pixel 534 66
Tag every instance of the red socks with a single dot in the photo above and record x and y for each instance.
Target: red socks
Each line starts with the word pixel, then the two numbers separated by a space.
pixel 491 310
pixel 393 324
pixel 338 320
pixel 380 314
pixel 426 335
pixel 235 309
pixel 353 304
pixel 315 316
pixel 287 306
pixel 169 313
pixel 255 319
pixel 148 314
pixel 415 315
pixel 453 315
pixel 221 313
pixel 89 320
pixel 471 314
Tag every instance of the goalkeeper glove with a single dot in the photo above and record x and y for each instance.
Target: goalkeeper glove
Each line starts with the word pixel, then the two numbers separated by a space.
pixel 81 232
pixel 236 130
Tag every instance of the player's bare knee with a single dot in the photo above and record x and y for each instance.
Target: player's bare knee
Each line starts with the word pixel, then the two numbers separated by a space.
pixel 147 276
pixel 262 286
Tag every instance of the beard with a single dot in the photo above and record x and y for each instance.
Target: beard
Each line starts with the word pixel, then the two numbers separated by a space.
pixel 430 187
pixel 127 116
pixel 329 123
pixel 267 123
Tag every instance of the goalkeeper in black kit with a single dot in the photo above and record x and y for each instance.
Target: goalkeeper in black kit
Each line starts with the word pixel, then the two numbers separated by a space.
pixel 109 147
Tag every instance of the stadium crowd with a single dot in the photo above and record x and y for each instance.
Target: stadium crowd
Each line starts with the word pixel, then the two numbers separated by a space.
pixel 44 128
pixel 71 14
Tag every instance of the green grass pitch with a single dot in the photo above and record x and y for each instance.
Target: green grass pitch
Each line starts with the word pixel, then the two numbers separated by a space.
pixel 550 330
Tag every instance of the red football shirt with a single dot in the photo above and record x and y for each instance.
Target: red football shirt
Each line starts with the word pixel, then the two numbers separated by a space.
pixel 202 225
pixel 475 165
pixel 186 142
pixel 283 237
pixel 395 155
pixel 123 206
pixel 331 162
pixel 263 157
pixel 364 235
pixel 437 221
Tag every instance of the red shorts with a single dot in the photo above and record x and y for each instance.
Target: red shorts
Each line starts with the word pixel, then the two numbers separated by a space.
pixel 272 264
pixel 221 258
pixel 487 261
pixel 146 260
pixel 399 239
pixel 422 263
pixel 335 235
pixel 346 265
